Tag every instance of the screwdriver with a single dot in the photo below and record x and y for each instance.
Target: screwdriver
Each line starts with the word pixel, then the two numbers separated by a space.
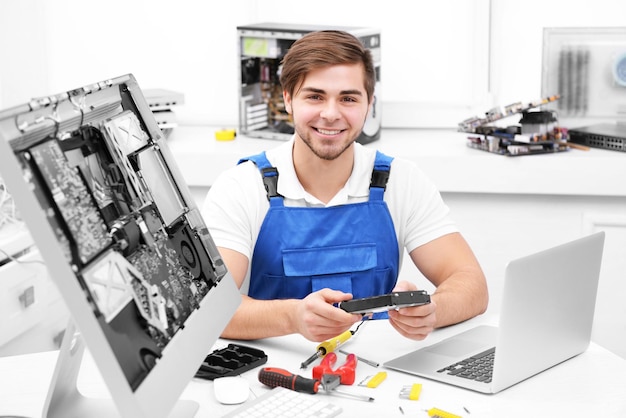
pixel 273 376
pixel 327 346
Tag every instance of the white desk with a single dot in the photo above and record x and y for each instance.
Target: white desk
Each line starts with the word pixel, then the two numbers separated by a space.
pixel 591 384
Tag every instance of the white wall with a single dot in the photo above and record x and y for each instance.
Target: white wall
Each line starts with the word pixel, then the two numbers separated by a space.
pixel 435 66
pixel 517 36
pixel 23 57
pixel 191 46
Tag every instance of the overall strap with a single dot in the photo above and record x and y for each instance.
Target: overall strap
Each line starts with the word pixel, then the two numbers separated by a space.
pixel 380 176
pixel 269 175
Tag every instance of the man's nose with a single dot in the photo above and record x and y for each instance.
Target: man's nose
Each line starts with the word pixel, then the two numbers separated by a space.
pixel 330 110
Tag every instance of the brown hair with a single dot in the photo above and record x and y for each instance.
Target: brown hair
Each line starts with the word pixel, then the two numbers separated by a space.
pixel 323 49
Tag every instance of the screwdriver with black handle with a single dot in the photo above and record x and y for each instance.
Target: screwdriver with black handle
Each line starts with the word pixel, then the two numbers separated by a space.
pixel 273 376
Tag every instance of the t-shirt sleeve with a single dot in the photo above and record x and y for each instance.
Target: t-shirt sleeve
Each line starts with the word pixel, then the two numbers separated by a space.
pixel 417 207
pixel 231 208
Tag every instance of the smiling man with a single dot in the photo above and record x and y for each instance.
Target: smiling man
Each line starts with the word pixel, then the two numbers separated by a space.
pixel 322 219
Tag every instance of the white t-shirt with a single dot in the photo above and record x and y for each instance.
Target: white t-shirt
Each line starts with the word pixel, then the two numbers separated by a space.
pixel 236 204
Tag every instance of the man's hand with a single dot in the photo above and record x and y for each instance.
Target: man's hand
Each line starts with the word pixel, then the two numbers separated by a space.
pixel 413 322
pixel 318 320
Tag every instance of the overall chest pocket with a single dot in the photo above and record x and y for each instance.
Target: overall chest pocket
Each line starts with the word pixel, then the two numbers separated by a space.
pixel 329 260
pixel 349 268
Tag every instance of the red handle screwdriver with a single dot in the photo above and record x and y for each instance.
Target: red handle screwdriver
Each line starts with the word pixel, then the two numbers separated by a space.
pixel 272 377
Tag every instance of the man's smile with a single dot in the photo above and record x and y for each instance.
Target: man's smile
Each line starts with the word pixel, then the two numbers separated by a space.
pixel 328 131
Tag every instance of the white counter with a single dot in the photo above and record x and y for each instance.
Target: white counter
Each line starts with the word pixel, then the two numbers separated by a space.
pixel 442 154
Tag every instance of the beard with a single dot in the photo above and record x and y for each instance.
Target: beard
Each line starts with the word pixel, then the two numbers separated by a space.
pixel 326 150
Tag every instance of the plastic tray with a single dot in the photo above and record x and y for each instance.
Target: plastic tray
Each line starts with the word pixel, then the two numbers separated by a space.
pixel 230 361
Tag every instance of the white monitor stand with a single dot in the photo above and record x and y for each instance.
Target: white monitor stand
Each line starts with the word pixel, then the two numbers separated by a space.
pixel 64 399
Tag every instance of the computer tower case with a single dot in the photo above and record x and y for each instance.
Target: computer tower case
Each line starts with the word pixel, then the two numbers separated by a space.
pixel 262 46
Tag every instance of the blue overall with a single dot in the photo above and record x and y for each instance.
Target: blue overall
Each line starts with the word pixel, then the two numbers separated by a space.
pixel 299 250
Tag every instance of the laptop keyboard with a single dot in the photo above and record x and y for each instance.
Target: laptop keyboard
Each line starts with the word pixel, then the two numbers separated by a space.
pixel 478 367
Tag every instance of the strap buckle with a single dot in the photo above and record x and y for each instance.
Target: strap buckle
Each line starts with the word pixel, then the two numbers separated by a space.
pixel 270 181
pixel 380 179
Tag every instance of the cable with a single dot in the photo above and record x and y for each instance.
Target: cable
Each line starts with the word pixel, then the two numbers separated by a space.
pixel 21 253
pixel 361 323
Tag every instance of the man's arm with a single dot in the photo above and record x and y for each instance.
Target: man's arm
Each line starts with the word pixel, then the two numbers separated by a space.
pixel 314 316
pixel 449 263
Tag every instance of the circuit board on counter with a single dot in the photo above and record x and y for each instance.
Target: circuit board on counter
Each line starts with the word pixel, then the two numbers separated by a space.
pixel 545 135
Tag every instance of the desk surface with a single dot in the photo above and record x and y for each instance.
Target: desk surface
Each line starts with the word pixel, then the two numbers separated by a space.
pixel 442 154
pixel 591 384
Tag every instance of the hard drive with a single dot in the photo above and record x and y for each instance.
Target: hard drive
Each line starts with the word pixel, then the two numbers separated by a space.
pixel 382 303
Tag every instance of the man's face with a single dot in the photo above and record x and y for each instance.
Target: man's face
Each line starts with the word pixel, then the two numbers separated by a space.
pixel 329 109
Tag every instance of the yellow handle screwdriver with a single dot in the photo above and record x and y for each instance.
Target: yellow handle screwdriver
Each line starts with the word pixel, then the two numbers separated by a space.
pixel 327 346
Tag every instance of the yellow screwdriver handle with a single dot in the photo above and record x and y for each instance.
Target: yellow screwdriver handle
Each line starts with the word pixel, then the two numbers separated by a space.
pixel 330 345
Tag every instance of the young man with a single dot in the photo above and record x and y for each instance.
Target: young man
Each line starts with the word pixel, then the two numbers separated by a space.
pixel 301 229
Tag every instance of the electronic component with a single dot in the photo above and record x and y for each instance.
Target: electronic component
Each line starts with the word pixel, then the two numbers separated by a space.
pixel 125 244
pixel 610 136
pixel 473 124
pixel 537 132
pixel 121 180
pixel 394 300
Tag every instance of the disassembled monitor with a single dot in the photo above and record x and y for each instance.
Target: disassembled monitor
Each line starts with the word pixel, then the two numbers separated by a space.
pixel 123 240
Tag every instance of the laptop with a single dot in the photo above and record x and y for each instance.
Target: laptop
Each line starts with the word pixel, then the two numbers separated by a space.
pixel 546 318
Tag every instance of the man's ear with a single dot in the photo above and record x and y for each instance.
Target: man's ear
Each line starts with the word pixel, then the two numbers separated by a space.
pixel 287 100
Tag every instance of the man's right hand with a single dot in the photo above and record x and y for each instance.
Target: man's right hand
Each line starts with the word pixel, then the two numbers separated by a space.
pixel 317 319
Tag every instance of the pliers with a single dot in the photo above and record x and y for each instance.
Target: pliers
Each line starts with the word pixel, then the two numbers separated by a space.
pixel 330 379
pixel 346 372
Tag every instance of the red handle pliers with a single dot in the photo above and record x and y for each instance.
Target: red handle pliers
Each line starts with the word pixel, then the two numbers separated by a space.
pixel 346 372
